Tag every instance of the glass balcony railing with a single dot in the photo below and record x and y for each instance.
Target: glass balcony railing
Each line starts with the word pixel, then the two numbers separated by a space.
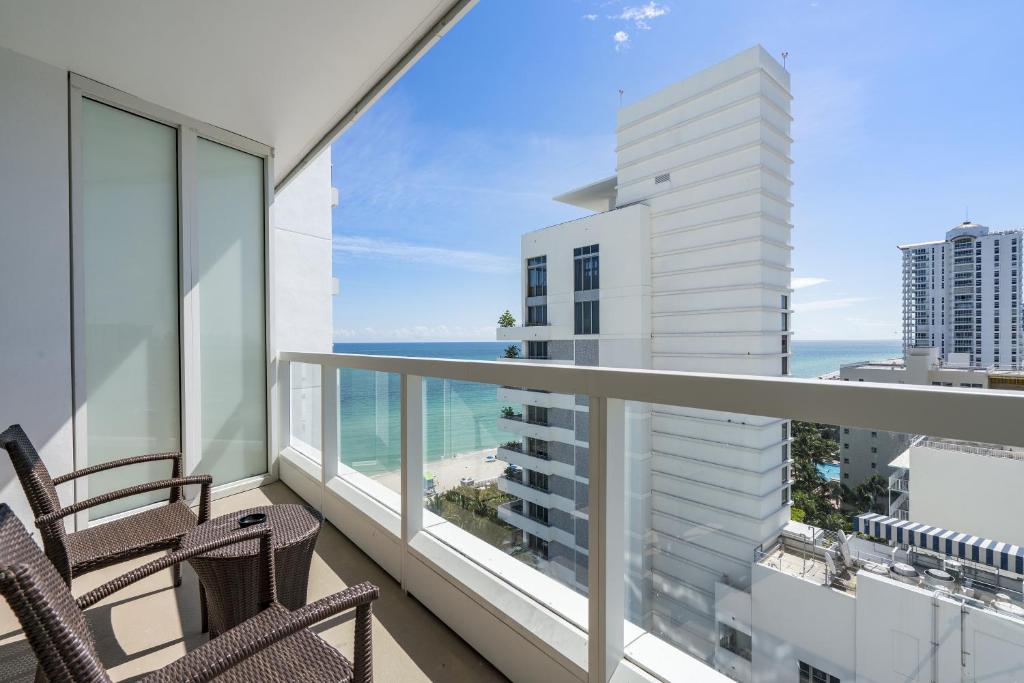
pixel 675 502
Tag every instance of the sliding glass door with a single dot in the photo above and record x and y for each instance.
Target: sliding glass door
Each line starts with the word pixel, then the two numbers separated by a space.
pixel 169 233
pixel 232 345
pixel 129 269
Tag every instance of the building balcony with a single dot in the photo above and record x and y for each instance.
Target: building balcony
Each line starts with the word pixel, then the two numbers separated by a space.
pixel 516 425
pixel 533 494
pixel 541 399
pixel 534 333
pixel 514 513
pixel 536 463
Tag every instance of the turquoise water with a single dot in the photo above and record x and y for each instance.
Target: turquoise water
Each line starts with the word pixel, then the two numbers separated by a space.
pixel 829 470
pixel 462 416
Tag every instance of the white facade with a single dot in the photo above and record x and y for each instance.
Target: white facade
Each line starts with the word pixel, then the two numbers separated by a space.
pixel 872 626
pixel 867 452
pixel 963 295
pixel 694 275
pixel 975 488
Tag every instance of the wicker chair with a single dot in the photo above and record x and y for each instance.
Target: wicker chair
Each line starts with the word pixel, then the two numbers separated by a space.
pixel 275 645
pixel 76 553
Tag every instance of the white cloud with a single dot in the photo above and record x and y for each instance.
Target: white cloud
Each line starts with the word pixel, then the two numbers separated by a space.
pixel 590 17
pixel 801 282
pixel 828 304
pixel 415 332
pixel 621 39
pixel 642 14
pixel 476 261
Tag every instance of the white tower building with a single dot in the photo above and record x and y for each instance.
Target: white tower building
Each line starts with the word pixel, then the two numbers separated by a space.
pixel 692 248
pixel 962 295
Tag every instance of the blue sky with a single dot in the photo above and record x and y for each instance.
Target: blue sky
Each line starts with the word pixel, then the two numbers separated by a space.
pixel 904 114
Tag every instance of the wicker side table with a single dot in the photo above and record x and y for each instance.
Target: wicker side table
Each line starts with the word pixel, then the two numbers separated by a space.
pixel 231 577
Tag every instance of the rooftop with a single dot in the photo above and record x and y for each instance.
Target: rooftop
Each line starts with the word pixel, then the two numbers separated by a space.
pixel 970 582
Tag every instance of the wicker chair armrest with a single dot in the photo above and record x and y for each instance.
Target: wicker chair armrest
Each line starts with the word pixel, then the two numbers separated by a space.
pixel 133 460
pixel 261 532
pixel 267 628
pixel 205 479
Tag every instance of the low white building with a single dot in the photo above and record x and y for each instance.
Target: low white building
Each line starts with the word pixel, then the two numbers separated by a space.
pixel 928 485
pixel 867 452
pixel 884 615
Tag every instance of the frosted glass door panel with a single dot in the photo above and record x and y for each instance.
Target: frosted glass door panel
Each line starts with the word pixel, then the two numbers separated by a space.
pixel 129 252
pixel 232 342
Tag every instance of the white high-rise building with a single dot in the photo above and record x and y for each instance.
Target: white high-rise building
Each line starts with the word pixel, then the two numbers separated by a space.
pixel 685 267
pixel 962 295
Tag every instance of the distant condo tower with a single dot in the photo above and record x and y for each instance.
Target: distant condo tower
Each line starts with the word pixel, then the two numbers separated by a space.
pixel 685 266
pixel 962 295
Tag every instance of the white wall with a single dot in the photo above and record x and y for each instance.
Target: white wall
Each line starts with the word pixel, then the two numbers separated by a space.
pixel 35 337
pixel 796 620
pixel 975 494
pixel 301 218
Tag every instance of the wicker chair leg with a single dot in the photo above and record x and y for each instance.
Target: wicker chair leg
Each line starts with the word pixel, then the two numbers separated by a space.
pixel 363 655
pixel 202 609
pixel 177 575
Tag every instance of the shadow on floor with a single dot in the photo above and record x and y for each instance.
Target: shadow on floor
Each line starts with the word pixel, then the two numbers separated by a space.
pixel 407 626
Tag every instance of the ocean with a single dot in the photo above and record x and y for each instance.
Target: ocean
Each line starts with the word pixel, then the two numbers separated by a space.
pixel 462 416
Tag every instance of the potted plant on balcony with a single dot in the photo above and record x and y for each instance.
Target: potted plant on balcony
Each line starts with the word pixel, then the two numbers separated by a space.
pixel 512 351
pixel 508 412
pixel 507 319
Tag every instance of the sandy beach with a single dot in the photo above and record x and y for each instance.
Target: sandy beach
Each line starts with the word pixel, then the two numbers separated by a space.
pixel 448 471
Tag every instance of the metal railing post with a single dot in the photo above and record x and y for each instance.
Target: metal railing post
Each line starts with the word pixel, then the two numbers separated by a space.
pixel 330 415
pixel 607 537
pixel 412 464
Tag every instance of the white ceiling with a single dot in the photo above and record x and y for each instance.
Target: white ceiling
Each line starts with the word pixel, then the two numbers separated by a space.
pixel 282 73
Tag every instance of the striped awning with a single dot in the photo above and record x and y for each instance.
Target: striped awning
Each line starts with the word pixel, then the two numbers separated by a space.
pixel 953 543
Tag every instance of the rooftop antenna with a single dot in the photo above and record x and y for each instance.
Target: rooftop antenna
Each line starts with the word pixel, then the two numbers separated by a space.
pixel 621 91
pixel 785 56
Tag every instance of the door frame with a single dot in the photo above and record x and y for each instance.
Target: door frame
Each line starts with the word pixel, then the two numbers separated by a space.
pixel 188 131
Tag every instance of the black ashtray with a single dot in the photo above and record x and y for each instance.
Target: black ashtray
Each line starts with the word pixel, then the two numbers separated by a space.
pixel 254 518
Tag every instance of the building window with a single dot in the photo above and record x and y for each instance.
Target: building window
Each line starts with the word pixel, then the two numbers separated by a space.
pixel 536 349
pixel 810 674
pixel 538 545
pixel 784 302
pixel 785 364
pixel 586 269
pixel 785 430
pixel 846 445
pixel 874 435
pixel 874 465
pixel 785 495
pixel 874 449
pixel 737 642
pixel 537 276
pixel 846 461
pixel 536 315
pixel 538 512
pixel 588 318
pixel 846 475
pixel 846 430
pixel 537 415
pixel 537 447
pixel 538 480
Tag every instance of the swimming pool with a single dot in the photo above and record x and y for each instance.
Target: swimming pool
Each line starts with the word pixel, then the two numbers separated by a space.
pixel 829 470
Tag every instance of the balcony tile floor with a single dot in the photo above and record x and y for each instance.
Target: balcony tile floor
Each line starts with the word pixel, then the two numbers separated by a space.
pixel 151 624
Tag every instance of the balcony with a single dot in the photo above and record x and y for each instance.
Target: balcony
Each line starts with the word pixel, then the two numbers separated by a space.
pixel 541 399
pixel 530 461
pixel 517 425
pixel 534 332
